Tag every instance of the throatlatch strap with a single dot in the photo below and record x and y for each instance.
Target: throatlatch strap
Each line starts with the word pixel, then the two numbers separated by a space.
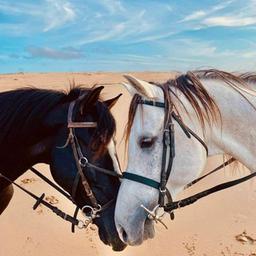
pixel 141 179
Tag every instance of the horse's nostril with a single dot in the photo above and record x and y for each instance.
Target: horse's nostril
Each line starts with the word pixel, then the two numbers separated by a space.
pixel 124 235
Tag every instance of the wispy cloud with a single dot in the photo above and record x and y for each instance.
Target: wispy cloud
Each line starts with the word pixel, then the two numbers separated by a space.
pixel 47 15
pixel 19 8
pixel 119 34
pixel 49 53
pixel 194 16
pixel 59 13
pixel 119 31
pixel 233 17
pixel 203 13
pixel 103 35
pixel 229 21
pixel 154 37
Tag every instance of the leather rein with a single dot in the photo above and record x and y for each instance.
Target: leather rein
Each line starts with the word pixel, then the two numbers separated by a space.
pixel 91 211
pixel 169 146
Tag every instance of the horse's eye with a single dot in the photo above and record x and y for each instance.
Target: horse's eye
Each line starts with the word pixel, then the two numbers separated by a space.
pixel 147 142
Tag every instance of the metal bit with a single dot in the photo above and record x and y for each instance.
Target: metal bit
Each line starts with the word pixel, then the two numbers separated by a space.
pixel 89 217
pixel 155 215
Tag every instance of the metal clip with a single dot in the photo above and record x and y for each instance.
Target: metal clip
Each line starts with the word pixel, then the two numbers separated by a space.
pixel 166 138
pixel 162 191
pixel 83 161
pixel 171 127
pixel 155 214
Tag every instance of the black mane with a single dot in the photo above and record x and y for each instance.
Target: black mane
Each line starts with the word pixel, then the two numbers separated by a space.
pixel 22 111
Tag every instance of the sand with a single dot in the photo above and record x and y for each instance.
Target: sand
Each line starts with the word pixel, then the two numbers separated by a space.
pixel 213 226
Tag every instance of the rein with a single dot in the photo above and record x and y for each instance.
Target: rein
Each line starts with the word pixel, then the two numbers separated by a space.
pixel 169 145
pixel 40 200
pixel 90 212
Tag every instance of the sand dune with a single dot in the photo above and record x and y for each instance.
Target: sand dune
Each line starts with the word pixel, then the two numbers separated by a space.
pixel 213 226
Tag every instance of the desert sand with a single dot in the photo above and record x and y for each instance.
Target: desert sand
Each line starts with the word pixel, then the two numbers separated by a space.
pixel 221 224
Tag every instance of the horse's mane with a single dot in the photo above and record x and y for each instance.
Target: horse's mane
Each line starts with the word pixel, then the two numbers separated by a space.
pixel 23 110
pixel 218 74
pixel 192 88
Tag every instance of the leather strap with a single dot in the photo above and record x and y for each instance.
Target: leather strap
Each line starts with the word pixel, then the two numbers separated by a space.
pixel 192 199
pixel 84 181
pixel 141 179
pixel 82 125
pixel 78 155
pixel 185 128
pixel 40 200
pixel 64 193
pixel 229 161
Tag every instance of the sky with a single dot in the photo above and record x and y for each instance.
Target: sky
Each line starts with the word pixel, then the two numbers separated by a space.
pixel 127 35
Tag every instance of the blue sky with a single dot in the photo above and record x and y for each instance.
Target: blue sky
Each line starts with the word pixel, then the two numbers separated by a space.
pixel 126 35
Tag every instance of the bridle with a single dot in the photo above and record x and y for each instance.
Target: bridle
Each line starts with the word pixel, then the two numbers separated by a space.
pixel 91 211
pixel 168 156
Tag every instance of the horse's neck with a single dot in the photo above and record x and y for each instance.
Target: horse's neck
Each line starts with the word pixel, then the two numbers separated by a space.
pixel 237 134
pixel 15 161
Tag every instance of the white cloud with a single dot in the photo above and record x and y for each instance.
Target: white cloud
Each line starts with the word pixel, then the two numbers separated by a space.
pixel 59 13
pixel 131 27
pixel 103 35
pixel 222 5
pixel 194 16
pixel 232 17
pixel 229 21
pixel 203 13
pixel 46 16
pixel 153 37
pixel 19 8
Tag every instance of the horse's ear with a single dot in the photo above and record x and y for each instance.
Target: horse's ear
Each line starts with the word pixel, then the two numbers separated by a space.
pixel 89 100
pixel 141 87
pixel 111 102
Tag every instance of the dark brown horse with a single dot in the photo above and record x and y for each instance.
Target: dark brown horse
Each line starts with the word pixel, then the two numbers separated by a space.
pixel 33 126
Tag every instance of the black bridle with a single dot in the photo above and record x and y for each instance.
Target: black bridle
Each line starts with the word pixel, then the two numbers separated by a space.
pixel 91 211
pixel 166 166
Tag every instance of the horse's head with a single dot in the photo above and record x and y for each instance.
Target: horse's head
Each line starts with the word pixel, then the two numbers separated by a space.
pixel 83 130
pixel 145 156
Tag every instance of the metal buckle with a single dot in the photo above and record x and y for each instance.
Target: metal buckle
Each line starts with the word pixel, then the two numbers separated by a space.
pixel 83 161
pixel 162 191
pixel 166 138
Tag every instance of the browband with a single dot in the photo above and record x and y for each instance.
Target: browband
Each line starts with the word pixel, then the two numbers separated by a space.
pixel 82 124
pixel 72 124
